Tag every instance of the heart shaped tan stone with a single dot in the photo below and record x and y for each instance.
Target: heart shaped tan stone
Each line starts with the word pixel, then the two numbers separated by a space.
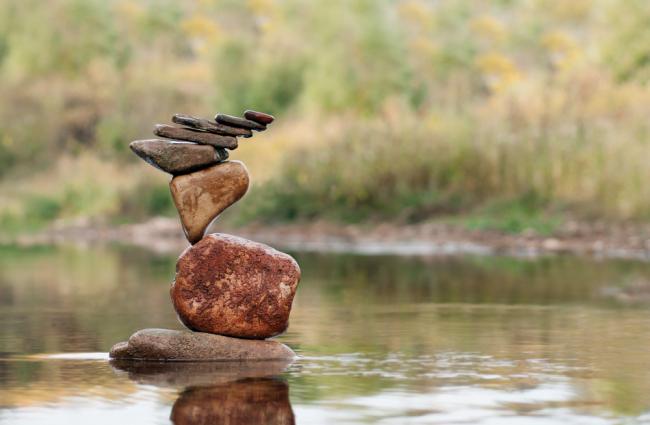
pixel 201 196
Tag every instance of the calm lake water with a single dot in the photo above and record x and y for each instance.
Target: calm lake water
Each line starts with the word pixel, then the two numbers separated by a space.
pixel 381 339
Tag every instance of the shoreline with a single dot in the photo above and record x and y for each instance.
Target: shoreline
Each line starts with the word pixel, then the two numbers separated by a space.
pixel 163 235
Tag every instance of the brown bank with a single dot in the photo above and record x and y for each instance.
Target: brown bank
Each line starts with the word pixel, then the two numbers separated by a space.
pixel 161 234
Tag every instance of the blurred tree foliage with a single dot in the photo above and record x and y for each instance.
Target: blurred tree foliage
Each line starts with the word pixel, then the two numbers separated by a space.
pixel 437 105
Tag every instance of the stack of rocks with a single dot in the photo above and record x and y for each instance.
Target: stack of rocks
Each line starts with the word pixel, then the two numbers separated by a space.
pixel 228 290
pixel 202 190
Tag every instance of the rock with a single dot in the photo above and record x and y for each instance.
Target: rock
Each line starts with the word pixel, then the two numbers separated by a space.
pixel 202 195
pixel 197 373
pixel 259 117
pixel 197 136
pixel 246 402
pixel 210 126
pixel 171 345
pixel 176 157
pixel 239 122
pixel 231 286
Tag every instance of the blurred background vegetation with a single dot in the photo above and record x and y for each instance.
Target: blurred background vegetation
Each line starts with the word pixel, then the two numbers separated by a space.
pixel 513 114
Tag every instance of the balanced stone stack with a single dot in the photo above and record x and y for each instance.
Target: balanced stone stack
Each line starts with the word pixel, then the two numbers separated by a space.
pixel 228 290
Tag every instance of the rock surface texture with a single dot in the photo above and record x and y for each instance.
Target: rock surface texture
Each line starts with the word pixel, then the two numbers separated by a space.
pixel 201 196
pixel 171 345
pixel 197 136
pixel 231 286
pixel 259 117
pixel 211 126
pixel 239 122
pixel 176 157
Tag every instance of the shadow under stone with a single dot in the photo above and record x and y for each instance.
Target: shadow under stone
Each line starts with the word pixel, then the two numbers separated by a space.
pixel 192 374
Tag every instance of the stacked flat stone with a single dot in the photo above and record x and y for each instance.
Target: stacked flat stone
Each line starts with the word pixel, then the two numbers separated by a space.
pixel 225 285
pixel 197 143
pixel 191 152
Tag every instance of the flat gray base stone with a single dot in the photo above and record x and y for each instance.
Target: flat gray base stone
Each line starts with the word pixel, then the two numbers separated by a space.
pixel 186 346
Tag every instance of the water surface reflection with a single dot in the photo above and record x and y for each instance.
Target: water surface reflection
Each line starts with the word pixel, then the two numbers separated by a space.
pixel 381 339
pixel 248 401
pixel 219 392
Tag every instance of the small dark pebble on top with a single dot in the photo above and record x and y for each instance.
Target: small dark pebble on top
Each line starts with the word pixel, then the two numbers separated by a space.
pixel 259 117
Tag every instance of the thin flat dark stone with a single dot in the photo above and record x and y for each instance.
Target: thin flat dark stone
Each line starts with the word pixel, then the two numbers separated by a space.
pixel 259 117
pixel 177 157
pixel 197 136
pixel 239 122
pixel 211 126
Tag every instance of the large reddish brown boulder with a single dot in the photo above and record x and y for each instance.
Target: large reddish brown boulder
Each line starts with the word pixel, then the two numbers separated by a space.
pixel 231 286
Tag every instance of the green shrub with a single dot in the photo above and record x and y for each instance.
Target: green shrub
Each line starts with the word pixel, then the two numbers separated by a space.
pixel 144 201
pixel 41 208
pixel 402 110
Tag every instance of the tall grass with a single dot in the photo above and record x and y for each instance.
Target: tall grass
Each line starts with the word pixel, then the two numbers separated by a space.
pixel 83 187
pixel 405 109
pixel 567 150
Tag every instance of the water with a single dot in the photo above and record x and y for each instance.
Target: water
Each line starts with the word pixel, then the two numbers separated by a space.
pixel 381 339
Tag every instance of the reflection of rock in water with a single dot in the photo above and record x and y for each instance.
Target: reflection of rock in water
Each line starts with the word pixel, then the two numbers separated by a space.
pixel 184 374
pixel 248 401
pixel 219 392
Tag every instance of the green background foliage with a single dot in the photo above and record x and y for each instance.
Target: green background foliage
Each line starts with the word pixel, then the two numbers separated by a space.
pixel 387 110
